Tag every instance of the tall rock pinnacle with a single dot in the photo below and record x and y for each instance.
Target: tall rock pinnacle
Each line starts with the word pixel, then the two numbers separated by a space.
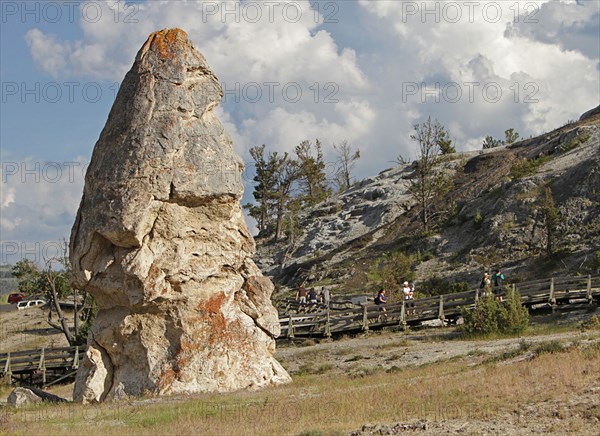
pixel 161 243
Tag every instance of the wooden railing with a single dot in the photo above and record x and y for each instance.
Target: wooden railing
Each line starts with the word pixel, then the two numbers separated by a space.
pixel 319 320
pixel 47 366
pixel 44 366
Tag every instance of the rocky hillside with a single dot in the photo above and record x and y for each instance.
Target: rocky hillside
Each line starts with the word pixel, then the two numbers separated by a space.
pixel 491 217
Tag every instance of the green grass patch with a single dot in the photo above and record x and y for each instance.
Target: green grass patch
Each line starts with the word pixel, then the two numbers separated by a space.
pixel 525 167
pixel 575 142
pixel 551 347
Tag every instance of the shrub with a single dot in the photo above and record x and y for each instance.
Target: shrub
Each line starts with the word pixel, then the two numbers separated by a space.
pixel 525 167
pixel 437 286
pixel 592 324
pixel 477 220
pixel 491 316
pixel 391 269
pixel 457 287
pixel 483 319
pixel 550 347
pixel 575 142
pixel 513 317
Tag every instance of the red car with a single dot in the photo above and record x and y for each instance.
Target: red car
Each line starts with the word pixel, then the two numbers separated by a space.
pixel 15 297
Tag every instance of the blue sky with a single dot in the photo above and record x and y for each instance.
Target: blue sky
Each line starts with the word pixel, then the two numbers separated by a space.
pixel 367 71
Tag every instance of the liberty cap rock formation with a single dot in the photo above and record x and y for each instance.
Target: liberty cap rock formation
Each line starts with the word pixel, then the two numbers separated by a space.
pixel 161 243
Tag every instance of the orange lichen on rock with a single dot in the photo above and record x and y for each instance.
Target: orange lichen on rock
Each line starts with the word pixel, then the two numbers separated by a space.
pixel 168 41
pixel 220 329
pixel 216 320
pixel 167 378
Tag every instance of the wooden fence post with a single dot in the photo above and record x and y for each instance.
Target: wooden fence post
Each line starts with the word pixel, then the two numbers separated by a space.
pixel 290 333
pixel 8 370
pixel 403 315
pixel 589 289
pixel 365 323
pixel 76 358
pixel 42 366
pixel 441 309
pixel 551 299
pixel 327 325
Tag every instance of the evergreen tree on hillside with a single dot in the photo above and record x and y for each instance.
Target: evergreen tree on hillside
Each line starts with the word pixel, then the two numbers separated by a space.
pixel 312 177
pixel 510 136
pixel 265 181
pixel 428 181
pixel 287 171
pixel 274 181
pixel 550 218
pixel 445 143
pixel 490 142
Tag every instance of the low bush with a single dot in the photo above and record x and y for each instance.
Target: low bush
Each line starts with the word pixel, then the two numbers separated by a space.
pixel 477 220
pixel 526 167
pixel 491 316
pixel 550 347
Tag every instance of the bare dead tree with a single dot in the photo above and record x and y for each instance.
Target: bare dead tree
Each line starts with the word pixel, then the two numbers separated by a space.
pixel 346 160
pixel 58 282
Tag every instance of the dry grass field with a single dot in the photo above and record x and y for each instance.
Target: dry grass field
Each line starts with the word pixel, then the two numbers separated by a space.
pixel 425 382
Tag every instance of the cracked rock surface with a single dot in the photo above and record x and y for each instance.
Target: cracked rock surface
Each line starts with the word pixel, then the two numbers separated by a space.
pixel 161 243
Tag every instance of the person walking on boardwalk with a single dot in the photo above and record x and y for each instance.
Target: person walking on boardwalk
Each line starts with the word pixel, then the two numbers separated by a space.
pixel 408 291
pixel 381 301
pixel 301 294
pixel 486 284
pixel 498 278
pixel 325 296
pixel 409 295
pixel 312 296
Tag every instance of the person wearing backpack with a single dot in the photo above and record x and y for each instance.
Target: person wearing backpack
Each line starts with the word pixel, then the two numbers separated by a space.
pixel 498 278
pixel 498 284
pixel 485 284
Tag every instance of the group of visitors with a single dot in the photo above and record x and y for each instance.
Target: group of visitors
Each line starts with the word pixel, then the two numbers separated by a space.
pixel 497 279
pixel 312 297
pixel 408 293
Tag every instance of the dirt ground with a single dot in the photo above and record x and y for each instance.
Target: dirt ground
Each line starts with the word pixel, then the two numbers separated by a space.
pixel 383 351
pixel 372 352
pixel 27 329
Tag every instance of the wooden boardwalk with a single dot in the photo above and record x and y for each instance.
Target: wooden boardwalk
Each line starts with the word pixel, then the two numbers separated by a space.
pixel 46 366
pixel 41 367
pixel 319 321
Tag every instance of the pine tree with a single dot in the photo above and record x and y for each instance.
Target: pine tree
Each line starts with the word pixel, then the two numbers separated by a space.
pixel 428 182
pixel 551 218
pixel 490 142
pixel 445 143
pixel 287 171
pixel 510 136
pixel 312 177
pixel 263 190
